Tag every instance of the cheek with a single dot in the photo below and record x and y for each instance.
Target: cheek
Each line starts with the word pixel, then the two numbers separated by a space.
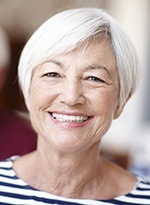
pixel 41 96
pixel 106 101
pixel 104 108
pixel 37 104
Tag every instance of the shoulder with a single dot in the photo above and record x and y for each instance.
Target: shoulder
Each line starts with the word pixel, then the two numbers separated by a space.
pixel 6 167
pixel 139 195
pixel 5 164
pixel 142 186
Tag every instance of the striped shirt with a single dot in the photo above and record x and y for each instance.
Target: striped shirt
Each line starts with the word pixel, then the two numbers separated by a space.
pixel 15 191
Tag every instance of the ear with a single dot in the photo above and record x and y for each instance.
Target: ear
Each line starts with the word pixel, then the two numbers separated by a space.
pixel 27 103
pixel 119 108
pixel 118 111
pixel 26 98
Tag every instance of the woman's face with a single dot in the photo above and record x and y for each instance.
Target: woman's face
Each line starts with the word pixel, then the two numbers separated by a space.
pixel 74 97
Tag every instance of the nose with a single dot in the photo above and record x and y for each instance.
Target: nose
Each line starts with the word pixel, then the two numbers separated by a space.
pixel 72 93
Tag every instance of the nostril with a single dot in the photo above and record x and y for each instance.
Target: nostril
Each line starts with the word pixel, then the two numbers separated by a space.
pixel 72 98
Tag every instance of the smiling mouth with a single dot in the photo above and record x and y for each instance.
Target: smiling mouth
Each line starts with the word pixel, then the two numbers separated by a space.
pixel 69 118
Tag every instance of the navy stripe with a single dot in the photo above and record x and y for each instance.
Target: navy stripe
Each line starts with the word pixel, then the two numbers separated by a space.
pixel 143 189
pixel 145 182
pixel 9 177
pixel 37 199
pixel 14 185
pixel 116 202
pixel 138 196
pixel 6 168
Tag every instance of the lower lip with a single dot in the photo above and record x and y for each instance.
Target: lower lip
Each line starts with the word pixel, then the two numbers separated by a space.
pixel 70 124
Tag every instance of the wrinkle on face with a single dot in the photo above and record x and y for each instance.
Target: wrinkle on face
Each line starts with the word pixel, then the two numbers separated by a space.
pixel 52 95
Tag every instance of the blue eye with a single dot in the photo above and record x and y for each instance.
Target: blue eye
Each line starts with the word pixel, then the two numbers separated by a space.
pixel 96 79
pixel 51 75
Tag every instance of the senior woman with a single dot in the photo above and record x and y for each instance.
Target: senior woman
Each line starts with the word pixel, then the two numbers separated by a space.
pixel 77 72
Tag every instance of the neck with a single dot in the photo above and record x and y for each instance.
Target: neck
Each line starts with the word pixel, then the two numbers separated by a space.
pixel 66 174
pixel 83 174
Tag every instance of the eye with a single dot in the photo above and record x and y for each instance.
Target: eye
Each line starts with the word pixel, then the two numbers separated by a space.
pixel 51 75
pixel 96 79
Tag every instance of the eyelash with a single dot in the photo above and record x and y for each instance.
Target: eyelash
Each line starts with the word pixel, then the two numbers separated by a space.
pixel 95 79
pixel 51 75
pixel 90 78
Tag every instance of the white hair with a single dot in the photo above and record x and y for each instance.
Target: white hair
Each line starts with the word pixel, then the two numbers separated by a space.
pixel 66 31
pixel 4 49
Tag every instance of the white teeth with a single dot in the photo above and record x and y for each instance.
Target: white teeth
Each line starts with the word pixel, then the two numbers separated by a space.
pixel 69 118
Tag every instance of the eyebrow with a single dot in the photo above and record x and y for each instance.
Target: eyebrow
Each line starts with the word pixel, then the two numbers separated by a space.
pixel 58 63
pixel 96 66
pixel 89 67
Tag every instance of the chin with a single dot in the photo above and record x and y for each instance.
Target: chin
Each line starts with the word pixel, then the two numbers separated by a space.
pixel 66 145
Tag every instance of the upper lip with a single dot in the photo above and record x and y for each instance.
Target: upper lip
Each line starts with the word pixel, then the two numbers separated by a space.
pixel 70 113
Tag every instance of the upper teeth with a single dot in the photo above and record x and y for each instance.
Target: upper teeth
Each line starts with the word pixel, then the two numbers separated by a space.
pixel 69 118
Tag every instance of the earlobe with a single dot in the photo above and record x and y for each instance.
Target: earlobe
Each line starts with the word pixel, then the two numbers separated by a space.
pixel 120 108
pixel 118 111
pixel 27 104
pixel 26 99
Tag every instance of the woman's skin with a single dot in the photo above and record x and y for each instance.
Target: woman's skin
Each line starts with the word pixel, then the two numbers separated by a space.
pixel 73 99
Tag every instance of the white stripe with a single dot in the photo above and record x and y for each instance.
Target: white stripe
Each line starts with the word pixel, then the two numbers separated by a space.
pixel 134 200
pixel 9 173
pixel 41 194
pixel 144 186
pixel 6 164
pixel 13 181
pixel 19 201
pixel 31 202
pixel 140 192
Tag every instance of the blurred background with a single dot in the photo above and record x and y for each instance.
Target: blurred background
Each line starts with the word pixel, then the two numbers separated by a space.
pixel 128 140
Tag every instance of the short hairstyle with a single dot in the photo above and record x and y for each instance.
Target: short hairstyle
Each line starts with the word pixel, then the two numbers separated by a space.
pixel 4 49
pixel 65 31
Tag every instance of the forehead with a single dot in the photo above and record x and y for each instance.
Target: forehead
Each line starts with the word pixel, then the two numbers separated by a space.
pixel 97 51
pixel 97 47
